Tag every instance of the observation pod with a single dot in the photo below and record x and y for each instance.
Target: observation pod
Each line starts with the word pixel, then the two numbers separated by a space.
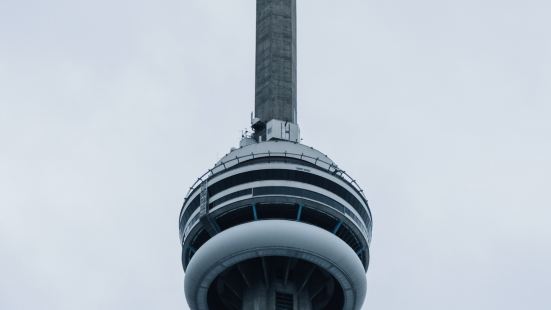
pixel 275 225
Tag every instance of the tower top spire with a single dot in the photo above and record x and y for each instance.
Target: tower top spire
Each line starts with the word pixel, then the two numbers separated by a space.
pixel 276 61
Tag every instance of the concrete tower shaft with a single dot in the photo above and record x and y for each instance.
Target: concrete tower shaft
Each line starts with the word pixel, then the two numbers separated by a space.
pixel 276 61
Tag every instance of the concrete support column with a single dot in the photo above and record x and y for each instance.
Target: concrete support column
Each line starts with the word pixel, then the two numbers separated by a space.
pixel 276 61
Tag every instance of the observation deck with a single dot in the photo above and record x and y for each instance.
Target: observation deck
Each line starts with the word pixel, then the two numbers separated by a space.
pixel 282 186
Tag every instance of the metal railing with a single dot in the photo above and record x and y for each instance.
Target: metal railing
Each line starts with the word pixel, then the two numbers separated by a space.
pixel 316 161
pixel 190 221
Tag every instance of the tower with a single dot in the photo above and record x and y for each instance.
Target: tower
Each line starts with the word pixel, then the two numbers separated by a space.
pixel 275 224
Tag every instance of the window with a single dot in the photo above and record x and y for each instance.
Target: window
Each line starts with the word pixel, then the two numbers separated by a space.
pixel 284 301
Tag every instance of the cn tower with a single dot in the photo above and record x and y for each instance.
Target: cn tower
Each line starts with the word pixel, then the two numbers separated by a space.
pixel 275 224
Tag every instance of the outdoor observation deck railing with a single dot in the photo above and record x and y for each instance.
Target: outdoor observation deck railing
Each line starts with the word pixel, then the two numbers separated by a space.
pixel 316 161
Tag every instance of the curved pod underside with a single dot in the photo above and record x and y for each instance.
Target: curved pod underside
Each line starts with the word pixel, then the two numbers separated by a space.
pixel 275 238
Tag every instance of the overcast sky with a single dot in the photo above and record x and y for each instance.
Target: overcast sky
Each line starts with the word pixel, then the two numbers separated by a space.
pixel 109 110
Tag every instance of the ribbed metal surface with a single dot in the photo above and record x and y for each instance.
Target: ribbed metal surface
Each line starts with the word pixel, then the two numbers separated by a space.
pixel 284 301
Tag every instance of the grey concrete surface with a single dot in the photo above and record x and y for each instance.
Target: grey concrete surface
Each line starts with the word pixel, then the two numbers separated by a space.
pixel 276 60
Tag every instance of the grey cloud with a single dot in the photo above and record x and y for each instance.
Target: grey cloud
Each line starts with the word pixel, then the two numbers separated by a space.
pixel 110 110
